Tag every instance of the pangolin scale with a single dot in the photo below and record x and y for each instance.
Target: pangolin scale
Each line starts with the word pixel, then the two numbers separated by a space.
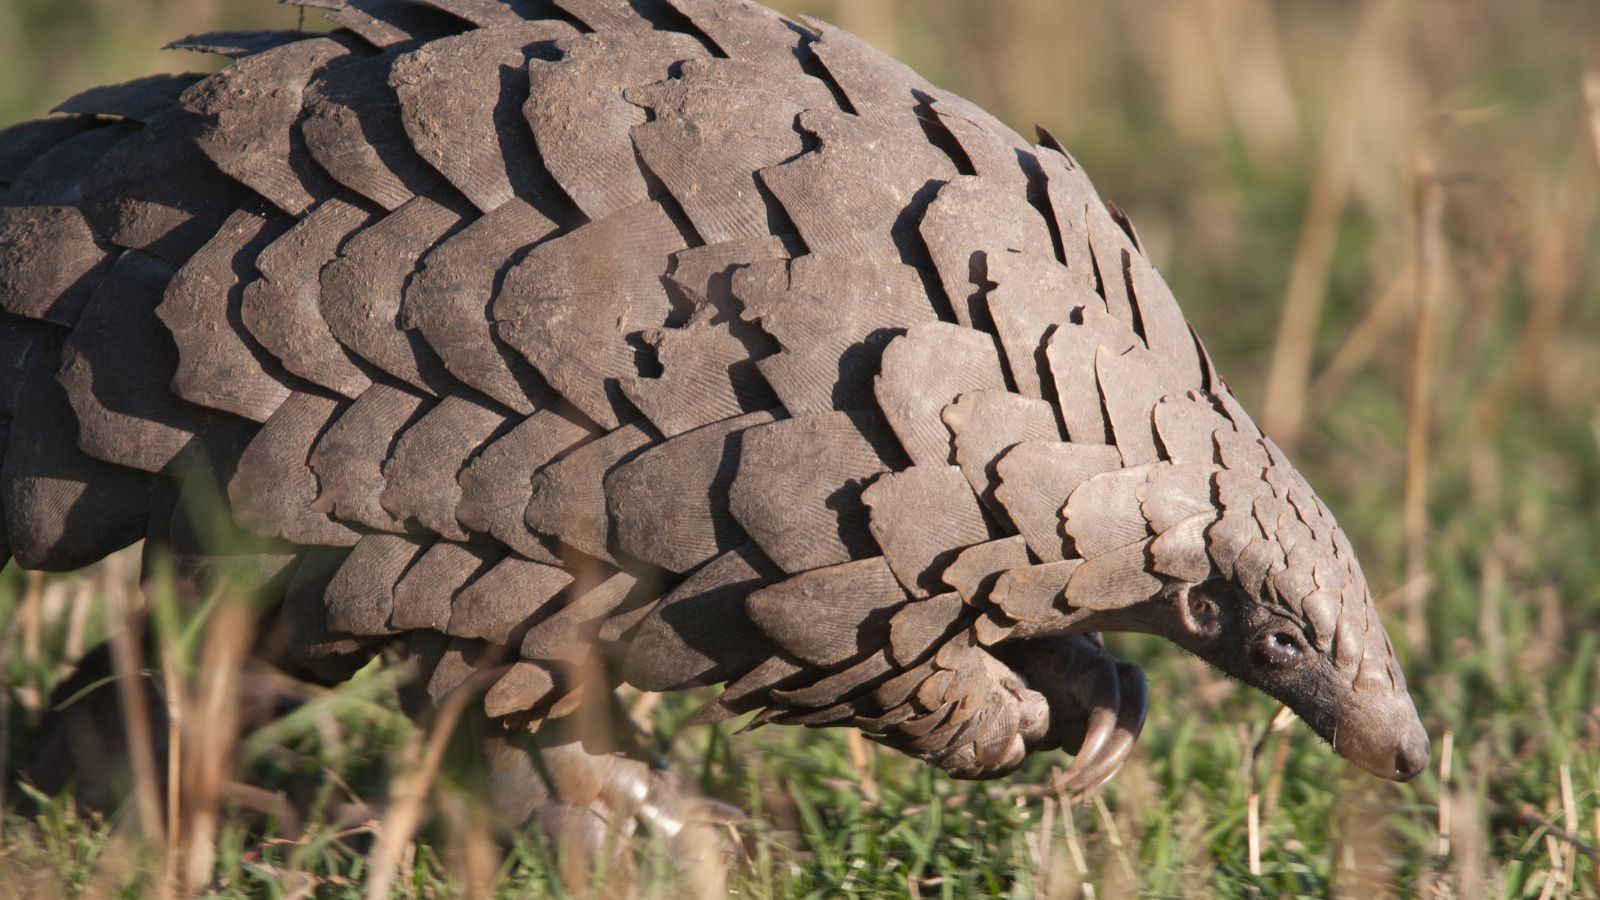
pixel 561 340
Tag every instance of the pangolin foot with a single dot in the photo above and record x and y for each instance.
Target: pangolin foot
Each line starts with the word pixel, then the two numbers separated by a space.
pixel 1097 704
pixel 591 806
pixel 978 712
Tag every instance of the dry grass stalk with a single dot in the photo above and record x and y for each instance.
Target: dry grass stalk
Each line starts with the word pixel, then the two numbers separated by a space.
pixel 84 600
pixel 1491 592
pixel 1569 816
pixel 470 848
pixel 174 692
pixel 1550 275
pixel 1253 831
pixel 1531 816
pixel 1284 409
pixel 210 735
pixel 642 708
pixel 1446 763
pixel 1187 60
pixel 1114 837
pixel 409 790
pixel 1468 840
pixel 1069 832
pixel 1386 311
pixel 1250 60
pixel 270 804
pixel 1591 97
pixel 1253 800
pixel 861 762
pixel 1039 848
pixel 5 746
pixel 17 615
pixel 1555 882
pixel 1280 762
pixel 31 617
pixel 1430 256
pixel 27 623
pixel 1484 315
pixel 1550 255
pixel 127 660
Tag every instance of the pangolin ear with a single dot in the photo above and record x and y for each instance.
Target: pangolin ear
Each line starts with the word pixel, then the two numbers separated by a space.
pixel 1199 613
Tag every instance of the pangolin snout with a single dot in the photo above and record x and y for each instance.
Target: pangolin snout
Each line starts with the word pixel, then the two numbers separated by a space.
pixel 1412 756
pixel 1383 734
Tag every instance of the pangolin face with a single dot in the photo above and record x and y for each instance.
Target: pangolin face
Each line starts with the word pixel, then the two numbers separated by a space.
pixel 1224 548
pixel 1288 611
pixel 1368 718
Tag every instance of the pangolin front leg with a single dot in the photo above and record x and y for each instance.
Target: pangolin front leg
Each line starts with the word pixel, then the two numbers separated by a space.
pixel 977 712
pixel 1097 703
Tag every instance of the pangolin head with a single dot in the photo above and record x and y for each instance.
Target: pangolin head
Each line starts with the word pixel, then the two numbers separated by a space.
pixel 1290 613
pixel 1245 567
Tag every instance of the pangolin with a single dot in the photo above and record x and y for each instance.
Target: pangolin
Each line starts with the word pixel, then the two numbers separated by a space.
pixel 560 342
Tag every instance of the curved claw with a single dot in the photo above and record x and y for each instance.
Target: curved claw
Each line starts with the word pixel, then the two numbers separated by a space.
pixel 1104 702
pixel 1097 705
pixel 590 803
pixel 697 830
pixel 668 809
pixel 1092 768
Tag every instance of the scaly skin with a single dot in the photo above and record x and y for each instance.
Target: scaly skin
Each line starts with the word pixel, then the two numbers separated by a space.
pixel 688 344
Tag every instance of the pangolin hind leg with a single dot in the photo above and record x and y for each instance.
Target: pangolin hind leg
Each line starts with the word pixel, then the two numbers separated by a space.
pixel 590 803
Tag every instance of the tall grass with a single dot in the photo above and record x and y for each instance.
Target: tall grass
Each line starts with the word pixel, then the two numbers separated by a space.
pixel 1381 217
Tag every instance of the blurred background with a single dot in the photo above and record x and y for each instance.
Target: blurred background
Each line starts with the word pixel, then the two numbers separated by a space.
pixel 1380 216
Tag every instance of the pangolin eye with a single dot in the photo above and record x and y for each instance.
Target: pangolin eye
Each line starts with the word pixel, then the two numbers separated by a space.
pixel 1280 648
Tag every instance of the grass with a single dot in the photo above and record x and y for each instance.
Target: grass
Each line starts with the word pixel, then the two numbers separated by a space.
pixel 1415 181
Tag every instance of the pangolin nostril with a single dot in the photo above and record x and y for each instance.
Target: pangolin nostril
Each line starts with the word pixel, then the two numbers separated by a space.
pixel 1412 758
